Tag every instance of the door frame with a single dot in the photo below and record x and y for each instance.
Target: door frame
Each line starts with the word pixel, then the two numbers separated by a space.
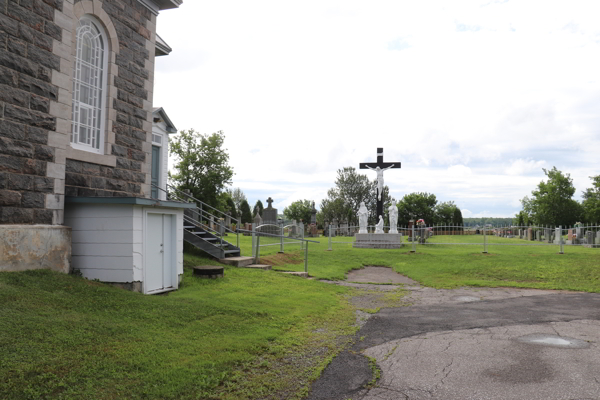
pixel 173 242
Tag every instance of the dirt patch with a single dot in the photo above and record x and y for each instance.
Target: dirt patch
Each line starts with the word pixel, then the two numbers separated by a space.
pixel 379 275
pixel 282 259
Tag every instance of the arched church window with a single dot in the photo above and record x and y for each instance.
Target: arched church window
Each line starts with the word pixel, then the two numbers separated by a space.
pixel 89 86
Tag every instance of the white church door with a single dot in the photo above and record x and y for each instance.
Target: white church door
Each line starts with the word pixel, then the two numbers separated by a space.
pixel 160 264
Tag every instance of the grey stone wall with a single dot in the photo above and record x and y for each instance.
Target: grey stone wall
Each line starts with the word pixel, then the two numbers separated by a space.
pixel 130 104
pixel 37 165
pixel 28 165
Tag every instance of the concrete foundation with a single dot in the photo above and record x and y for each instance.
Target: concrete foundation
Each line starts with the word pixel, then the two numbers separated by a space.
pixel 378 241
pixel 25 247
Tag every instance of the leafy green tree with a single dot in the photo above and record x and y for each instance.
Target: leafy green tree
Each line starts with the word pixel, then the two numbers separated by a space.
pixel 201 165
pixel 352 188
pixel 416 206
pixel 299 210
pixel 521 219
pixel 231 207
pixel 258 207
pixel 591 201
pixel 237 195
pixel 246 215
pixel 444 213
pixel 457 218
pixel 552 202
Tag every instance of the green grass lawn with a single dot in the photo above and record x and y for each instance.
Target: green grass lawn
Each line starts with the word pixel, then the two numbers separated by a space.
pixel 448 265
pixel 63 337
pixel 241 337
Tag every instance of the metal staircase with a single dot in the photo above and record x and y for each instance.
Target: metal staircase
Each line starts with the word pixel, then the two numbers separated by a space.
pixel 203 227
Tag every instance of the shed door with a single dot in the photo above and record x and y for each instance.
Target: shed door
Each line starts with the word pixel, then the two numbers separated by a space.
pixel 160 265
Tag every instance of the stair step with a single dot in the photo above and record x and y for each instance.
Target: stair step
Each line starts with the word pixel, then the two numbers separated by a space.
pixel 258 266
pixel 231 251
pixel 236 261
pixel 199 233
pixel 302 274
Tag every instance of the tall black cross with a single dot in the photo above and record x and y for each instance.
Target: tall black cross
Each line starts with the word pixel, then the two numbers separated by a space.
pixel 382 165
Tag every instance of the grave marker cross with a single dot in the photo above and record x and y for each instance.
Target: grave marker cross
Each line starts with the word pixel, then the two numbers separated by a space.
pixel 382 166
pixel 269 200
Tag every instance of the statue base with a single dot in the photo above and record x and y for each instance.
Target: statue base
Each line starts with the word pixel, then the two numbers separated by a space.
pixel 378 241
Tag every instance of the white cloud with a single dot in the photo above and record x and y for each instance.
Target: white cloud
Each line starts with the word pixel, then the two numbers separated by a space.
pixel 302 90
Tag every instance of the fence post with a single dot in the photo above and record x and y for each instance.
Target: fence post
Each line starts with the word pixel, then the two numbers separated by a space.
pixel 257 258
pixel 281 241
pixel 328 231
pixel 253 240
pixel 484 240
pixel 414 245
pixel 560 242
pixel 306 258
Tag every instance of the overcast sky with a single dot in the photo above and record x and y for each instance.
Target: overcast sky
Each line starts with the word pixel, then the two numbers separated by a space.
pixel 474 98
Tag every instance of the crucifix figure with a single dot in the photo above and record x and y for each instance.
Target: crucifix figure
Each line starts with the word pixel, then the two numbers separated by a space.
pixel 379 167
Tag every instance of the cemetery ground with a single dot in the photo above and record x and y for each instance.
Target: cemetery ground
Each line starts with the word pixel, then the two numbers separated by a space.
pixel 252 334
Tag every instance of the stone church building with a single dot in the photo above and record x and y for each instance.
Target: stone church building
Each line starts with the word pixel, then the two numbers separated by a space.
pixel 82 149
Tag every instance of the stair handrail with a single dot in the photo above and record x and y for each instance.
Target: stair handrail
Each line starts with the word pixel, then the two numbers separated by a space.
pixel 169 186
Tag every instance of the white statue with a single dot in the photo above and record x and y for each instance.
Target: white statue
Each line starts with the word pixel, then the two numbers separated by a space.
pixel 393 210
pixel 379 226
pixel 363 215
pixel 379 179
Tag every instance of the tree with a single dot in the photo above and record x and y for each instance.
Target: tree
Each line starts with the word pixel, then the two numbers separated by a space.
pixel 246 215
pixel 552 202
pixel 351 188
pixel 231 207
pixel 202 165
pixel 591 201
pixel 299 210
pixel 457 219
pixel 444 213
pixel 237 195
pixel 258 207
pixel 416 206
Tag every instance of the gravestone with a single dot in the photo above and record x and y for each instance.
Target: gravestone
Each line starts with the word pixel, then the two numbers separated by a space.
pixel 570 236
pixel 520 233
pixel 410 225
pixel 334 227
pixel 293 230
pixel 557 235
pixel 221 227
pixel 258 221
pixel 598 238
pixel 313 214
pixel 301 228
pixel 269 214
pixel 548 235
pixel 579 233
pixel 589 239
pixel 529 234
pixel 344 228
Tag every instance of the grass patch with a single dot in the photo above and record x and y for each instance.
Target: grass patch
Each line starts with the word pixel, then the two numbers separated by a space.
pixel 450 266
pixel 65 337
pixel 253 334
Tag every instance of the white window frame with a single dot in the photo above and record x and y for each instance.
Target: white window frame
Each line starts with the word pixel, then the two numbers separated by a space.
pixel 98 109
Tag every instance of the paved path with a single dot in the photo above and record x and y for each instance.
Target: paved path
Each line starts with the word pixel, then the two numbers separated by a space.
pixel 473 344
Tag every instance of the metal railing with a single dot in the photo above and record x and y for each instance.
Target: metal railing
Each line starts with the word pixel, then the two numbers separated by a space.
pixel 543 235
pixel 200 217
pixel 257 235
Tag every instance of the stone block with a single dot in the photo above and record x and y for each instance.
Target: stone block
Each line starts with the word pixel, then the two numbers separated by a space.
pixel 55 202
pixel 20 182
pixel 35 247
pixel 44 184
pixel 33 200
pixel 14 215
pixel 10 198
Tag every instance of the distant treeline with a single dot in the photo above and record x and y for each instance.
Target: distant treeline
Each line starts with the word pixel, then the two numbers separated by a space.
pixel 491 221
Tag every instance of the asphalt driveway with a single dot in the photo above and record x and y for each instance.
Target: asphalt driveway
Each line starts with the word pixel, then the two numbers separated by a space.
pixel 473 344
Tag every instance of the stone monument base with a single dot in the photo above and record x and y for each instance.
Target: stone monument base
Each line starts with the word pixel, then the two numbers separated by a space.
pixel 378 241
